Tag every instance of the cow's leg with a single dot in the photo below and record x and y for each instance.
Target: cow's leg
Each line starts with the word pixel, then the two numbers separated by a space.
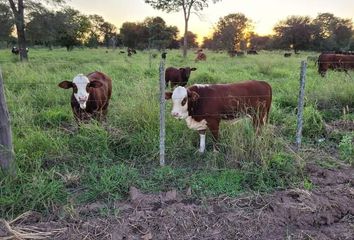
pixel 202 141
pixel 213 125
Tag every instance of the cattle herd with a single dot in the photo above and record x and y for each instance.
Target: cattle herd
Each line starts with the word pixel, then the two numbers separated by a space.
pixel 202 106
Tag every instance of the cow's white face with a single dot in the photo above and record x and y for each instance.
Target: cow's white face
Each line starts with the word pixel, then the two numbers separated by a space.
pixel 80 85
pixel 180 103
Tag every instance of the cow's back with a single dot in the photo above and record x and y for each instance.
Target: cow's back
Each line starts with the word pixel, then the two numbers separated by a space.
pixel 226 99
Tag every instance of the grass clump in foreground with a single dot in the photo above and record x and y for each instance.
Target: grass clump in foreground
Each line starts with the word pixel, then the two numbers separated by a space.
pixel 59 164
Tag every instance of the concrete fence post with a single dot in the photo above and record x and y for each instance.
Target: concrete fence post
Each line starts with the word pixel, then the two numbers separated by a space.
pixel 6 148
pixel 162 110
pixel 300 108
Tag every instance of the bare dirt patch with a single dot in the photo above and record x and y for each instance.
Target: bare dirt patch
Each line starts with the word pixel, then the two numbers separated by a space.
pixel 326 212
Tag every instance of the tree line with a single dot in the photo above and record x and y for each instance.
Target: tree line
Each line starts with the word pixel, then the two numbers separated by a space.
pixel 326 32
pixel 68 28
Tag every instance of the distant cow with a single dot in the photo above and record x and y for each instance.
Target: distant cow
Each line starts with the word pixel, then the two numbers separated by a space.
pixel 233 53
pixel 287 54
pixel 177 76
pixel 15 50
pixel 91 95
pixel 252 52
pixel 339 62
pixel 200 57
pixel 204 106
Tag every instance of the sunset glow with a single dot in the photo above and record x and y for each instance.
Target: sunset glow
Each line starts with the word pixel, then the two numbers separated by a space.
pixel 264 14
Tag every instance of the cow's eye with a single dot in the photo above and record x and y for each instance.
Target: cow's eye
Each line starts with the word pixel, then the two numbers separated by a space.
pixel 184 101
pixel 75 89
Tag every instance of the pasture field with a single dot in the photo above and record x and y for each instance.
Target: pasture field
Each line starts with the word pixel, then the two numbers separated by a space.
pixel 61 166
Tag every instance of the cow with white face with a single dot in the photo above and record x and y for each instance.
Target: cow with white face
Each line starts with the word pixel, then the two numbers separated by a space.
pixel 205 105
pixel 91 94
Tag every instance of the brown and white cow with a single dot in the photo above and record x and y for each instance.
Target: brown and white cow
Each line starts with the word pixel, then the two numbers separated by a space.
pixel 177 76
pixel 90 97
pixel 205 105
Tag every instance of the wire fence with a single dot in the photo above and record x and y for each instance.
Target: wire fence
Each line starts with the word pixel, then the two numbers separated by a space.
pixel 114 102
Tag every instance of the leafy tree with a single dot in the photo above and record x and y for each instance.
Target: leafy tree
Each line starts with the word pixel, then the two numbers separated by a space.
pixel 295 32
pixel 191 40
pixel 159 34
pixel 152 33
pixel 230 31
pixel 71 28
pixel 208 43
pixel 94 38
pixel 6 22
pixel 18 8
pixel 109 32
pixel 41 27
pixel 178 5
pixel 331 32
pixel 259 42
pixel 130 34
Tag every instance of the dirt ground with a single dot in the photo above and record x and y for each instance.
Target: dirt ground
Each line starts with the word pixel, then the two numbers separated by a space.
pixel 326 212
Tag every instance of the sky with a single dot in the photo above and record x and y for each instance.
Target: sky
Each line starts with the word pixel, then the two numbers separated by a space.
pixel 265 14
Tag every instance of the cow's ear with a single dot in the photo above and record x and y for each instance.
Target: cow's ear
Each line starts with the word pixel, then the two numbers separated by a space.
pixel 95 84
pixel 193 69
pixel 168 95
pixel 65 84
pixel 193 95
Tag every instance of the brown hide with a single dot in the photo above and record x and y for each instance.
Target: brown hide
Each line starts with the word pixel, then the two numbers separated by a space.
pixel 177 77
pixel 200 57
pixel 215 102
pixel 339 62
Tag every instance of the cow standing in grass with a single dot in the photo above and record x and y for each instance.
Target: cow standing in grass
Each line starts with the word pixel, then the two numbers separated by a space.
pixel 205 105
pixel 339 62
pixel 177 76
pixel 91 95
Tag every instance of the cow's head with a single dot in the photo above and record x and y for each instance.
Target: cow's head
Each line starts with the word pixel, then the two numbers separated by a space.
pixel 186 72
pixel 81 88
pixel 181 97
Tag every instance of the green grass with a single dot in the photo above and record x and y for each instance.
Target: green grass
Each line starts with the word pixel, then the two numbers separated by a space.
pixel 58 163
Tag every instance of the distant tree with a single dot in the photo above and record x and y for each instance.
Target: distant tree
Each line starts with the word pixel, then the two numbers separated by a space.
pixel 176 6
pixel 72 27
pixel 18 8
pixel 191 40
pixel 41 27
pixel 130 34
pixel 95 35
pixel 294 32
pixel 109 32
pixel 152 33
pixel 6 22
pixel 208 43
pixel 331 32
pixel 259 42
pixel 159 35
pixel 230 31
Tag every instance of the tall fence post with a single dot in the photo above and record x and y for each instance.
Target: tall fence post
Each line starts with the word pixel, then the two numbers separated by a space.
pixel 300 107
pixel 6 149
pixel 162 109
